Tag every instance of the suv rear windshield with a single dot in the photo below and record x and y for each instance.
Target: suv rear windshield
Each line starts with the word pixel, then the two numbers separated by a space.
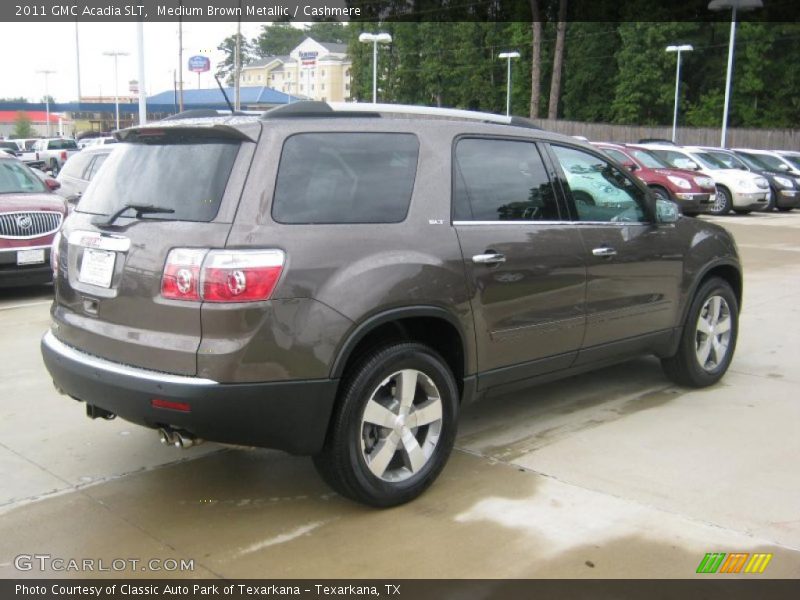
pixel 346 178
pixel 188 177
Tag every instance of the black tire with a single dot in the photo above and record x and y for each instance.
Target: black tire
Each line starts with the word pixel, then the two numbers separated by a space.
pixel 785 208
pixel 684 367
pixel 773 200
pixel 342 462
pixel 723 203
pixel 742 211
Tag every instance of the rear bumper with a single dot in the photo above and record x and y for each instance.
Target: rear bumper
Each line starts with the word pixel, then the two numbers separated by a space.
pixel 288 415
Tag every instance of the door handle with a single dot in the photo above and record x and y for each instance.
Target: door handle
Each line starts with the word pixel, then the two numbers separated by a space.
pixel 489 259
pixel 604 251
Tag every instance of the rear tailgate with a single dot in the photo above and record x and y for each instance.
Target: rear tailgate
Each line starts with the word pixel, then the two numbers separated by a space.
pixel 108 287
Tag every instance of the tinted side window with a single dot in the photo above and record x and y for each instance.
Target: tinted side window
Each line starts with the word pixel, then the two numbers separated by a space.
pixel 96 164
pixel 501 180
pixel 345 178
pixel 601 191
pixel 76 165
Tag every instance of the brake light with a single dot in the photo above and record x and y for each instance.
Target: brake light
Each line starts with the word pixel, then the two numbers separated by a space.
pixel 64 155
pixel 221 275
pixel 181 278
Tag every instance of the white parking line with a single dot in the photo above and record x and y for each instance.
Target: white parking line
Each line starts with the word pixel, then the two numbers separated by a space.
pixel 12 306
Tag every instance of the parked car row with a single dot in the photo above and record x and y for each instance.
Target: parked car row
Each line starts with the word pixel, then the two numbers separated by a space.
pixel 712 180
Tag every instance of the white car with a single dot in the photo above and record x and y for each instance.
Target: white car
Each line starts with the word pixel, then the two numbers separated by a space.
pixel 739 190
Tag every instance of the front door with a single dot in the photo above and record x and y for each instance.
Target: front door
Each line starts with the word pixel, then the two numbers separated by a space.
pixel 634 267
pixel 523 260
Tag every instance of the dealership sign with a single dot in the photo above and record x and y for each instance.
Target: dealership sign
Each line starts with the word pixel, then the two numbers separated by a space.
pixel 199 64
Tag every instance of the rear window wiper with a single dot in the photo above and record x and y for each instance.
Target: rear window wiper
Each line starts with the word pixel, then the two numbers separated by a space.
pixel 141 209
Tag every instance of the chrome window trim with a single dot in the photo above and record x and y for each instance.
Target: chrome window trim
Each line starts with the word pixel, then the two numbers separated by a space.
pixel 94 362
pixel 616 223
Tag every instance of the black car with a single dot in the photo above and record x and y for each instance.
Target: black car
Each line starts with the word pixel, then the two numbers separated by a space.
pixel 785 191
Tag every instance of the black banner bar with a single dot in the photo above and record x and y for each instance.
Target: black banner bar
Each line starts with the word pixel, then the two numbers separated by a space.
pixel 713 588
pixel 382 10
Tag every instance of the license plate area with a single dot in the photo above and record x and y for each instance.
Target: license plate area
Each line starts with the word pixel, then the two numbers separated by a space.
pixel 97 267
pixel 30 257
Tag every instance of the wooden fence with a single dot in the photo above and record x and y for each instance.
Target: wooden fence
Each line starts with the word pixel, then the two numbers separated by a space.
pixel 767 139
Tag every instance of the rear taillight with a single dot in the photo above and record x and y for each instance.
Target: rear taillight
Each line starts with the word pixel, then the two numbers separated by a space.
pixel 54 254
pixel 181 279
pixel 64 155
pixel 221 275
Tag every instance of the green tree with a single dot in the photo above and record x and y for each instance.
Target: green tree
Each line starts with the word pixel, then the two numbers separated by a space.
pixel 228 46
pixel 278 39
pixel 22 126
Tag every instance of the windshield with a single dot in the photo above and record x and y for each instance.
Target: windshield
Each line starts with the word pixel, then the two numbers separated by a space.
pixel 648 159
pixel 729 160
pixel 753 161
pixel 792 158
pixel 16 178
pixel 772 162
pixel 189 177
pixel 709 161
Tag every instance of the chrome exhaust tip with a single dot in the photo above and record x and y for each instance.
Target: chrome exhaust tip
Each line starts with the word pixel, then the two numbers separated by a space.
pixel 166 437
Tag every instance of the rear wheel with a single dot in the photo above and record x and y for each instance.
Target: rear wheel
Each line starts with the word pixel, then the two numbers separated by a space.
pixel 785 208
pixel 709 337
pixel 394 427
pixel 722 203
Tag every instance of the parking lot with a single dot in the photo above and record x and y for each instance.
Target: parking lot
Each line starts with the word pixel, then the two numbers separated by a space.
pixel 615 473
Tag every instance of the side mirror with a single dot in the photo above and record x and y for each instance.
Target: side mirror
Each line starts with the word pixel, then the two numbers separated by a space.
pixel 51 184
pixel 72 199
pixel 667 211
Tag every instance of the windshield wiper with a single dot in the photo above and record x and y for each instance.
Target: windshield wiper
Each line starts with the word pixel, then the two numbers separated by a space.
pixel 141 209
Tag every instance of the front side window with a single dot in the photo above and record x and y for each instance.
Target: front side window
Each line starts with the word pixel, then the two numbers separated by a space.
pixel 16 178
pixel 346 178
pixel 501 180
pixel 730 161
pixel 600 191
pixel 676 159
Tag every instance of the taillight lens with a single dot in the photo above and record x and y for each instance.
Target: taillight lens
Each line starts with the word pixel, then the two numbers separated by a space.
pixel 181 278
pixel 241 275
pixel 54 254
pixel 64 155
pixel 221 275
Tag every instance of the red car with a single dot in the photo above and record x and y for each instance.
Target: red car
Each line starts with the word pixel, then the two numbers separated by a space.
pixel 30 216
pixel 692 192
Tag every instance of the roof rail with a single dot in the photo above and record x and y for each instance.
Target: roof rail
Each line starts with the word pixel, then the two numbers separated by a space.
pixel 204 113
pixel 354 109
pixel 314 108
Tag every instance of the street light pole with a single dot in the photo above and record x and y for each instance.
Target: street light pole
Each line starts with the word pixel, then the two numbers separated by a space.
pixel 142 89
pixel 116 54
pixel 375 39
pixel 508 56
pixel 734 5
pixel 678 49
pixel 46 74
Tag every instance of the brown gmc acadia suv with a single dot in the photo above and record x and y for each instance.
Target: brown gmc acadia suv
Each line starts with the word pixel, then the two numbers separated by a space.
pixel 337 280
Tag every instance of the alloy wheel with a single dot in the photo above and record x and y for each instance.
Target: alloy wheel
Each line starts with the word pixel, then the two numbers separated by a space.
pixel 713 334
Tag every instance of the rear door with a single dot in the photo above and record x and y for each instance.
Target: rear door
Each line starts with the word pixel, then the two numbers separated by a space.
pixel 108 288
pixel 634 268
pixel 523 259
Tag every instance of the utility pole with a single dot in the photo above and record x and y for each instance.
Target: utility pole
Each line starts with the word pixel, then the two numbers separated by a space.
pixel 142 90
pixel 46 74
pixel 77 62
pixel 116 54
pixel 237 64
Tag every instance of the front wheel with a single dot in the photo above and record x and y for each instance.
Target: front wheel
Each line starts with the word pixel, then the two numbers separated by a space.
pixel 722 203
pixel 709 337
pixel 394 427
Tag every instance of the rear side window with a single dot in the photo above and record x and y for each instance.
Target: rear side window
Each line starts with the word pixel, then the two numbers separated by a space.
pixel 501 180
pixel 76 165
pixel 189 177
pixel 345 178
